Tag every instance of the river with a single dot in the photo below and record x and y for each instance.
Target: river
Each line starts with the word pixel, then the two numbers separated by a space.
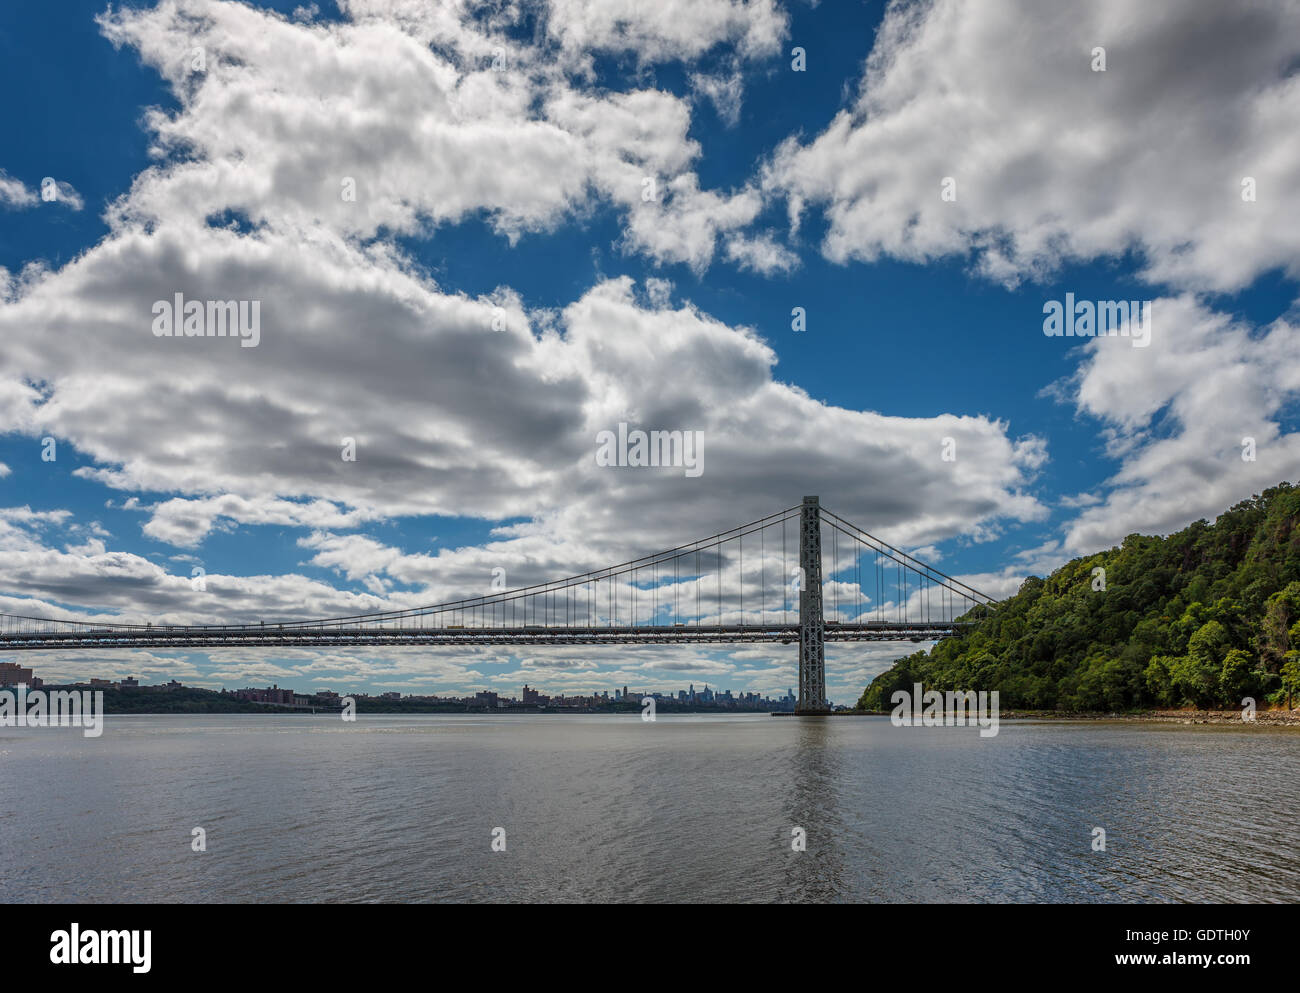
pixel 614 808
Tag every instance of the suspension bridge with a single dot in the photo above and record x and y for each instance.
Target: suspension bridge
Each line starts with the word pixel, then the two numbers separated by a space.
pixel 703 592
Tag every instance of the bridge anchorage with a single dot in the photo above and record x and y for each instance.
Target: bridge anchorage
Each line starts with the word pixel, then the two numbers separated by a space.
pixel 705 592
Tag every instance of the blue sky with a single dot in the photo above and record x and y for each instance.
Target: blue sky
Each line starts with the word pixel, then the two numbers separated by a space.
pixel 817 189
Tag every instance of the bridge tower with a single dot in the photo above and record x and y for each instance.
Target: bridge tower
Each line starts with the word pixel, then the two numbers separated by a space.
pixel 812 631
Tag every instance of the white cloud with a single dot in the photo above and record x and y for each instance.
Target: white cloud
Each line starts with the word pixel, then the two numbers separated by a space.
pixel 184 522
pixel 760 253
pixel 1178 413
pixel 1056 162
pixel 469 421
pixel 66 195
pixel 353 555
pixel 14 193
pixel 676 30
pixel 297 124
pixel 725 91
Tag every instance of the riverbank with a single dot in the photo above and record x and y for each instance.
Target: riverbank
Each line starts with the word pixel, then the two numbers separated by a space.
pixel 1274 718
pixel 1271 718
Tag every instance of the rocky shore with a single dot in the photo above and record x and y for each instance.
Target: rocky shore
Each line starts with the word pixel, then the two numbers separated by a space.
pixel 1271 718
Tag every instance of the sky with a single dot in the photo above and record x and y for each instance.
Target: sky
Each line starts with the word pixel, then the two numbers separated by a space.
pixel 828 237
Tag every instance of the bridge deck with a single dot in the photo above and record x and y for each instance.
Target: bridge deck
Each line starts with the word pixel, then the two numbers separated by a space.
pixel 259 636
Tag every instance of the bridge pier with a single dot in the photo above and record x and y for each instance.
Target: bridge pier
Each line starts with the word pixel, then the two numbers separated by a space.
pixel 812 631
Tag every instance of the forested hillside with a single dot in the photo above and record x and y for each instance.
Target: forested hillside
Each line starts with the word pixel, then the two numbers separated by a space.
pixel 1201 618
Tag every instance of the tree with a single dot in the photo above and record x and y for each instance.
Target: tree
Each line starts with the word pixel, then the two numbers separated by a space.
pixel 1196 676
pixel 1291 678
pixel 1236 680
pixel 1194 681
pixel 1280 613
pixel 1158 681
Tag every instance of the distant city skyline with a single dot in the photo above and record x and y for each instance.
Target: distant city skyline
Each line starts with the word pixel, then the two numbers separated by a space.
pixel 12 674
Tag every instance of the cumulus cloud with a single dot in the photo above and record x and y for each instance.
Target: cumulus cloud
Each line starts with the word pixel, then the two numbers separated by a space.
pixel 294 124
pixel 725 91
pixel 41 579
pixel 760 253
pixel 678 30
pixel 67 195
pixel 1054 162
pixel 187 521
pixel 472 420
pixel 354 555
pixel 1196 420
pixel 14 193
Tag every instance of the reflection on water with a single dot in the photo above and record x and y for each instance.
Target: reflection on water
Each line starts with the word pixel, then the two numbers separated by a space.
pixel 613 808
pixel 812 780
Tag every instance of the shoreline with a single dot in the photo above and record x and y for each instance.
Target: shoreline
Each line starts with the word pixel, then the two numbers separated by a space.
pixel 1269 718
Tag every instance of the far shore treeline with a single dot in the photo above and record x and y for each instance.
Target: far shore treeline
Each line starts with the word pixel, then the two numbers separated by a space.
pixel 1202 618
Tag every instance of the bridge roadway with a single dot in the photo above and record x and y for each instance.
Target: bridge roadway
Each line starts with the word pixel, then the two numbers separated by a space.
pixel 258 635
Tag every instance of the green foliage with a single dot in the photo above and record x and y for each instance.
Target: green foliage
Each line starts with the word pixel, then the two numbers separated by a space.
pixel 1194 681
pixel 1236 678
pixel 1291 678
pixel 1200 618
pixel 1159 683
